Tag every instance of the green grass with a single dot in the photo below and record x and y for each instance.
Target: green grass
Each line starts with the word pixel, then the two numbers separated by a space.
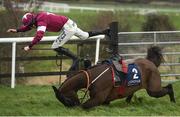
pixel 40 100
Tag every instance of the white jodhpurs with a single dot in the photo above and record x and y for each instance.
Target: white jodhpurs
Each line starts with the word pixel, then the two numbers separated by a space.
pixel 69 29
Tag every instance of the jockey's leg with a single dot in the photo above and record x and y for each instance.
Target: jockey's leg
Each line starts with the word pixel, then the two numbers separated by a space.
pixel 104 32
pixel 66 52
pixel 84 35
pixel 68 30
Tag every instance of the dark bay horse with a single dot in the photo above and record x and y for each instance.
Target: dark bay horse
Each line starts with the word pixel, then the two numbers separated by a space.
pixel 98 80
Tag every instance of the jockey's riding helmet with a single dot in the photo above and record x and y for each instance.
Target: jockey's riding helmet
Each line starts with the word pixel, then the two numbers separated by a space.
pixel 28 19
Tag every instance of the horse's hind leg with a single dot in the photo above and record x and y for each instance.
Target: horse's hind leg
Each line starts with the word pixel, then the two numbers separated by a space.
pixel 164 91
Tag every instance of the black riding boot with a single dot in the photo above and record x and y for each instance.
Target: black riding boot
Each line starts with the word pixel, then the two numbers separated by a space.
pixel 94 33
pixel 65 51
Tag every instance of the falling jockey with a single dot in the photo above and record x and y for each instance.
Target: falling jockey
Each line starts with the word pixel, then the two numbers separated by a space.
pixel 45 21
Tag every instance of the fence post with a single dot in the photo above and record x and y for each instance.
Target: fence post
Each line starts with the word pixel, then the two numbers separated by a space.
pixel 114 37
pixel 155 38
pixel 97 50
pixel 13 65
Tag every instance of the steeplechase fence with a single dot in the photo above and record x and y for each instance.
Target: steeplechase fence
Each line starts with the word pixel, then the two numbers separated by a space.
pixel 130 45
pixel 16 41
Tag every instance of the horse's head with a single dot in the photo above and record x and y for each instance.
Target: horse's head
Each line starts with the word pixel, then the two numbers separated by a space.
pixel 154 54
pixel 67 101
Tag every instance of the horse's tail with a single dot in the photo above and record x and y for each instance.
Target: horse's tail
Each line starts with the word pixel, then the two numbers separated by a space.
pixel 154 54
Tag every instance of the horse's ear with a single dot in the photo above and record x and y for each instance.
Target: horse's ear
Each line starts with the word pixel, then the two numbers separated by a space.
pixel 55 89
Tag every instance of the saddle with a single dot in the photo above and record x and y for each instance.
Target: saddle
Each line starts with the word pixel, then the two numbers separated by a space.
pixel 124 72
pixel 120 70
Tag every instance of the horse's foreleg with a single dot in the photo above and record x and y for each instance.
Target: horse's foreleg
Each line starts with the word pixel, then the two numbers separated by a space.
pixel 171 92
pixel 128 99
pixel 96 99
pixel 74 98
pixel 164 91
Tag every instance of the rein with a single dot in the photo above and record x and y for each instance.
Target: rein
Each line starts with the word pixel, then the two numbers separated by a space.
pixel 99 75
pixel 89 84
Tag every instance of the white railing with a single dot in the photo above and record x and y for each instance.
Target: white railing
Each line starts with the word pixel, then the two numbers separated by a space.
pixel 135 39
pixel 16 40
pixel 135 44
pixel 151 39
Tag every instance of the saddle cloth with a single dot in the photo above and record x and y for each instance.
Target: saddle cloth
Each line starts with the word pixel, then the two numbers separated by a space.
pixel 125 74
pixel 128 75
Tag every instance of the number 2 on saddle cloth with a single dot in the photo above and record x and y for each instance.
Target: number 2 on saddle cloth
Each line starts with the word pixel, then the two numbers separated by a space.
pixel 125 74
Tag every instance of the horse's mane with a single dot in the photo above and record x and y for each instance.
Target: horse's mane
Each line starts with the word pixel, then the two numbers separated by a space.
pixel 97 65
pixel 154 54
pixel 91 67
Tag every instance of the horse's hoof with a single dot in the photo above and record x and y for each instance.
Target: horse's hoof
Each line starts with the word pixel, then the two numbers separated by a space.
pixel 106 103
pixel 174 101
pixel 85 106
pixel 171 93
pixel 128 100
pixel 140 99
